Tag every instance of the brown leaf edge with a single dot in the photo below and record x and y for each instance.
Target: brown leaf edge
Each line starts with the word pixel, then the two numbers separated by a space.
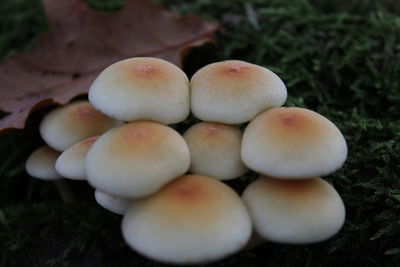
pixel 17 120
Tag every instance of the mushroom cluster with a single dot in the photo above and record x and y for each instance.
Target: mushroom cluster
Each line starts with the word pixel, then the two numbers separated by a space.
pixel 120 142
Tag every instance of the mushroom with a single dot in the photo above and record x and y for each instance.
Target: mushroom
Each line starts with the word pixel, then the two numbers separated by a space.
pixel 71 163
pixel 234 91
pixel 294 211
pixel 194 219
pixel 114 204
pixel 41 165
pixel 136 159
pixel 70 124
pixel 142 88
pixel 215 150
pixel 293 143
pixel 138 169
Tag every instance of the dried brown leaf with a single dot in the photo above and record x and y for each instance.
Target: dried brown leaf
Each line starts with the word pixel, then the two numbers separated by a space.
pixel 82 42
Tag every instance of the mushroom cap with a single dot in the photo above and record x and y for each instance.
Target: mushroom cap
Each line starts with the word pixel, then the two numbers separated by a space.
pixel 136 159
pixel 41 164
pixel 215 150
pixel 294 211
pixel 194 219
pixel 234 91
pixel 67 125
pixel 293 143
pixel 117 205
pixel 71 163
pixel 142 88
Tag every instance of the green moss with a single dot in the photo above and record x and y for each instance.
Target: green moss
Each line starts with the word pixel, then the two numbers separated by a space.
pixel 341 59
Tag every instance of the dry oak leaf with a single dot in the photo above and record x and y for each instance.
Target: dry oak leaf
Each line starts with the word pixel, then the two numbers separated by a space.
pixel 83 42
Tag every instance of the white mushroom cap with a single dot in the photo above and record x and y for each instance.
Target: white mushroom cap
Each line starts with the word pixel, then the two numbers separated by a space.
pixel 194 219
pixel 234 91
pixel 41 164
pixel 215 150
pixel 71 163
pixel 136 159
pixel 67 125
pixel 142 88
pixel 293 143
pixel 294 211
pixel 117 205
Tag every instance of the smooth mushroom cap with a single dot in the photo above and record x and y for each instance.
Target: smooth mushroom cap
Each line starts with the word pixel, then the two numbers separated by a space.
pixel 194 219
pixel 136 159
pixel 294 211
pixel 67 125
pixel 142 89
pixel 293 143
pixel 71 163
pixel 215 150
pixel 115 204
pixel 234 91
pixel 41 164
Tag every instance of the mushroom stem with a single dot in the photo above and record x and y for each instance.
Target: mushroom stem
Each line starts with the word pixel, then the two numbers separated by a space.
pixel 65 192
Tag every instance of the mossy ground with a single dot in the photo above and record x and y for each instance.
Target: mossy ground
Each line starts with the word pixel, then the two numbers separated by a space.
pixel 339 58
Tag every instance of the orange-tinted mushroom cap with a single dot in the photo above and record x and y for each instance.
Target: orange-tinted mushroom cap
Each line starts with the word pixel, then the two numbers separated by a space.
pixel 142 88
pixel 293 143
pixel 67 125
pixel 215 150
pixel 136 159
pixel 194 219
pixel 294 211
pixel 71 163
pixel 234 91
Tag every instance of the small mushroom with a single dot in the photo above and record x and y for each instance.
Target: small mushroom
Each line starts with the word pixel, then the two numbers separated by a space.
pixel 194 219
pixel 293 143
pixel 294 211
pixel 71 163
pixel 67 125
pixel 114 204
pixel 234 91
pixel 215 150
pixel 41 165
pixel 142 89
pixel 136 159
